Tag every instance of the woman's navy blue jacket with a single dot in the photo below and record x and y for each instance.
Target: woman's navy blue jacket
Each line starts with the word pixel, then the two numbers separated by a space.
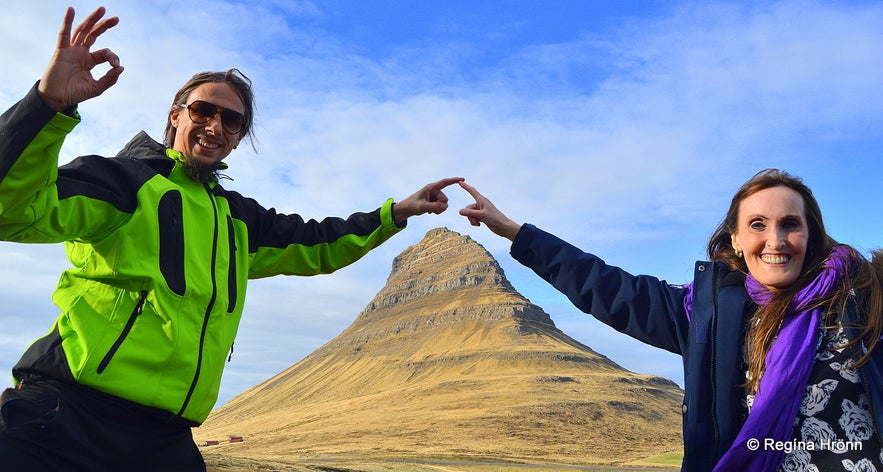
pixel 652 311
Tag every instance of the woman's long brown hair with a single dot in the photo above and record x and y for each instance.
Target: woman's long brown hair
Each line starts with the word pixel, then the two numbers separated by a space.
pixel 763 326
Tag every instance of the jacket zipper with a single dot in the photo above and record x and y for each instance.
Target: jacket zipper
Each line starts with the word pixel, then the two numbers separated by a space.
pixel 208 309
pixel 124 334
pixel 713 347
pixel 231 274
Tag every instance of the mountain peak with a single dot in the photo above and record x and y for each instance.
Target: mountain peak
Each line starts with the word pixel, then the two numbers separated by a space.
pixel 444 269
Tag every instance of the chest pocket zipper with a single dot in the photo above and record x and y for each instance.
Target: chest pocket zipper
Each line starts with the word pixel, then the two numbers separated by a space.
pixel 124 334
pixel 231 275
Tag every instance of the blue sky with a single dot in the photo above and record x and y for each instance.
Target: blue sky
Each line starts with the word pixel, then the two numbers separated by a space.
pixel 622 126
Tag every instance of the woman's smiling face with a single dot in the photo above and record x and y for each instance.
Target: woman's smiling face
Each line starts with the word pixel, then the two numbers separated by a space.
pixel 772 233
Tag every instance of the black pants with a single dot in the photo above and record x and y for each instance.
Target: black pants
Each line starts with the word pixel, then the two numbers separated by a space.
pixel 47 425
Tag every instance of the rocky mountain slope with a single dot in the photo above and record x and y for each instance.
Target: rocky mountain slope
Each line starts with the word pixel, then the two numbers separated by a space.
pixel 449 361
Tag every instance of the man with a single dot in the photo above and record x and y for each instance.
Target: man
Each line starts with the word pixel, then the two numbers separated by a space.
pixel 161 254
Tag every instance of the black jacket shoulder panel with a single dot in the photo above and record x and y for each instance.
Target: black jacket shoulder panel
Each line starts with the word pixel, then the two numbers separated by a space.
pixel 115 180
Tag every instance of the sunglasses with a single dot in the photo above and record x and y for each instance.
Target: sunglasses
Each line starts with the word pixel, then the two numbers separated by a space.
pixel 201 112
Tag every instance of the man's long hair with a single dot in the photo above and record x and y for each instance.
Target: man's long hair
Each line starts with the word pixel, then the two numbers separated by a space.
pixel 240 83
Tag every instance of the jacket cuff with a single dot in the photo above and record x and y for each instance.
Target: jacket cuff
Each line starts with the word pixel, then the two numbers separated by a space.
pixel 523 240
pixel 387 218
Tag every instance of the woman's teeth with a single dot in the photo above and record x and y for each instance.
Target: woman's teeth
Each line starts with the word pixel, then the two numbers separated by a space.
pixel 774 259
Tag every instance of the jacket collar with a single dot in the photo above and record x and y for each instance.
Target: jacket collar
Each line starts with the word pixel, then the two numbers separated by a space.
pixel 142 146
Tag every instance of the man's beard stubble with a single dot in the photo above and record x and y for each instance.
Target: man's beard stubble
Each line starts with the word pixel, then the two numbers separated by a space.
pixel 201 173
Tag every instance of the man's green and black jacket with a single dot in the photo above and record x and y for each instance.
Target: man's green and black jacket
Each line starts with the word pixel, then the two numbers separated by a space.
pixel 151 306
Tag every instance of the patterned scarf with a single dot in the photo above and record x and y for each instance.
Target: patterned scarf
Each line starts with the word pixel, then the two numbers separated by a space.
pixel 788 365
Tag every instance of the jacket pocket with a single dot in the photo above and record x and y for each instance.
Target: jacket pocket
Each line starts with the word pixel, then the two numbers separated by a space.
pixel 21 412
pixel 231 275
pixel 171 241
pixel 124 334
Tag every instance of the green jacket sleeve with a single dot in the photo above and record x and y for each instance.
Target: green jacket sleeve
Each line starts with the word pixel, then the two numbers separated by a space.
pixel 36 204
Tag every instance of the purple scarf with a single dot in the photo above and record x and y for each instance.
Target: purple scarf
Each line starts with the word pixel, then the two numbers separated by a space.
pixel 788 365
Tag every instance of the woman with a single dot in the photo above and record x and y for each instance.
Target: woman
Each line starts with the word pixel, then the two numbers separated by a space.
pixel 778 332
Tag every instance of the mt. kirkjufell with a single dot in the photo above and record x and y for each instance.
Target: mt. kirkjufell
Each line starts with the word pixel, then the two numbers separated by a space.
pixel 449 361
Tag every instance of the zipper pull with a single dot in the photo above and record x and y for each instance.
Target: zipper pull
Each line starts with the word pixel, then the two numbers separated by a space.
pixel 230 357
pixel 140 306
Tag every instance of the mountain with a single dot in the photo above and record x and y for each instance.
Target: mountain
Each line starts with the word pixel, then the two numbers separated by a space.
pixel 449 361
